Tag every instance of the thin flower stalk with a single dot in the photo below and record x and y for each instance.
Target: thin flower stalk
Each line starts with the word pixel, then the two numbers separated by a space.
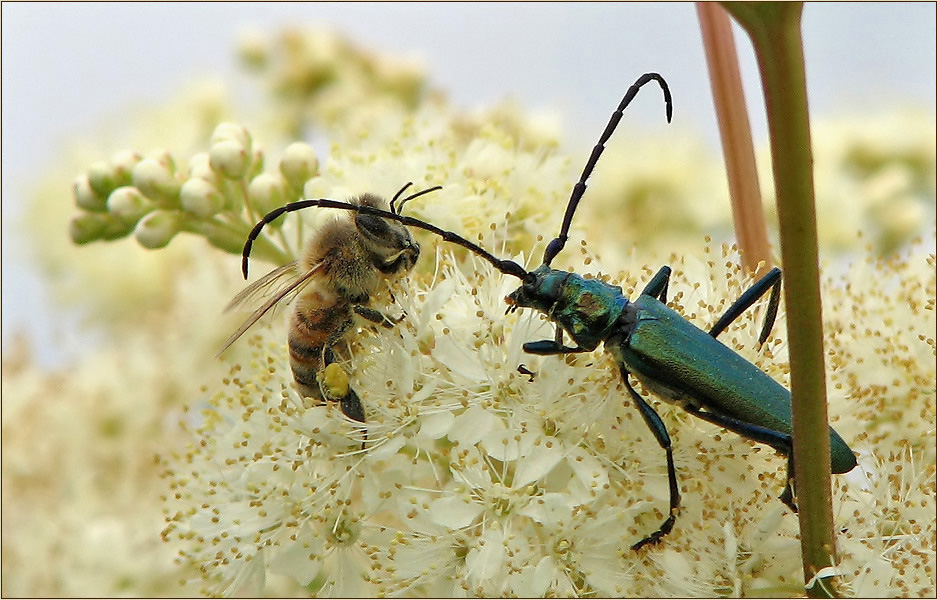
pixel 775 30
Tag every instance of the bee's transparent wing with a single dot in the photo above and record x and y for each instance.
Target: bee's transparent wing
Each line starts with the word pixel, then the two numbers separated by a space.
pixel 260 290
pixel 272 289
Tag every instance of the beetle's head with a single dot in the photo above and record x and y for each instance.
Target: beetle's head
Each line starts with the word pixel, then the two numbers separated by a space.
pixel 541 290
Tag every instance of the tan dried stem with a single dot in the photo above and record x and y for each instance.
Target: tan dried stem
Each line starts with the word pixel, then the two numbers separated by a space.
pixel 738 153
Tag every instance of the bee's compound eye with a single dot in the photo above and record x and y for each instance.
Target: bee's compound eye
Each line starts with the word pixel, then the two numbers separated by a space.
pixel 373 226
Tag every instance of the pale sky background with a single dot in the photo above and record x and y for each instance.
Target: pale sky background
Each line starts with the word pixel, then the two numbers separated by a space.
pixel 68 68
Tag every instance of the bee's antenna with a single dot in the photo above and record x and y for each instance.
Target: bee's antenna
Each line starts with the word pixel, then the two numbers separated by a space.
pixel 398 195
pixel 508 267
pixel 400 206
pixel 557 244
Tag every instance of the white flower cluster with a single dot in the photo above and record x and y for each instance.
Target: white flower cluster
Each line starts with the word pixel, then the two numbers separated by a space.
pixel 478 479
pixel 475 478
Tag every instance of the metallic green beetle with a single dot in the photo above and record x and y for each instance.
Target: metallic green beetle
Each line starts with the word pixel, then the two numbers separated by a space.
pixel 670 356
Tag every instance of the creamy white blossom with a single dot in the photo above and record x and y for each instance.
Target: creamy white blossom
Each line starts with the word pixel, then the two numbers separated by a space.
pixel 477 479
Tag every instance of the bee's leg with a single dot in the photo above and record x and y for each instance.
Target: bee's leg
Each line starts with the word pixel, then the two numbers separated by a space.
pixel 335 386
pixel 403 312
pixel 334 383
pixel 376 316
pixel 352 406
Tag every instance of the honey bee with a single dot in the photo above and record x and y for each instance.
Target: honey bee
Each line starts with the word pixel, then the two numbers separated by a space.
pixel 343 266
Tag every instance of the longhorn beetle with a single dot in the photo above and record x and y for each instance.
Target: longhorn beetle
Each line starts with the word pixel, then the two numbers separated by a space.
pixel 669 355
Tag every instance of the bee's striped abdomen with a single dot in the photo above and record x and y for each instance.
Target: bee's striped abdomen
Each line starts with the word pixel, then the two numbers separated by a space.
pixel 313 330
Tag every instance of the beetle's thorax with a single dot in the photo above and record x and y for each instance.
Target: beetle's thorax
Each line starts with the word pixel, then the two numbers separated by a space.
pixel 587 309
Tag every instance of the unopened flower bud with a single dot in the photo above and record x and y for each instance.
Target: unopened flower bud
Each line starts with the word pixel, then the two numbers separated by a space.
pixel 201 198
pixel 298 164
pixel 229 159
pixel 200 168
pixel 155 181
pixel 128 204
pixel 157 228
pixel 102 178
pixel 115 229
pixel 86 227
pixel 123 162
pixel 257 163
pixel 86 198
pixel 232 132
pixel 267 192
pixel 165 158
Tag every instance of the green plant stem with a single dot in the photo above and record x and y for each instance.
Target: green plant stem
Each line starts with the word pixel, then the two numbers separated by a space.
pixel 730 106
pixel 775 30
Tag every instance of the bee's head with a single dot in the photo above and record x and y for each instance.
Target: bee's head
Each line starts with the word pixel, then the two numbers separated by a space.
pixel 391 246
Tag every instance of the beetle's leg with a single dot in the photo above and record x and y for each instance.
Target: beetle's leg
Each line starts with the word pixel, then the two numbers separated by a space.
pixel 656 425
pixel 550 347
pixel 658 286
pixel 526 371
pixel 773 281
pixel 776 439
pixel 788 494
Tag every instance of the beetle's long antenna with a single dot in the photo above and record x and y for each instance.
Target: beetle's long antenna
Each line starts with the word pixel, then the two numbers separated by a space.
pixel 557 244
pixel 508 267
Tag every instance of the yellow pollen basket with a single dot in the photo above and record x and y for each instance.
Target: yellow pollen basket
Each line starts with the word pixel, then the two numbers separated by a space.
pixel 334 381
